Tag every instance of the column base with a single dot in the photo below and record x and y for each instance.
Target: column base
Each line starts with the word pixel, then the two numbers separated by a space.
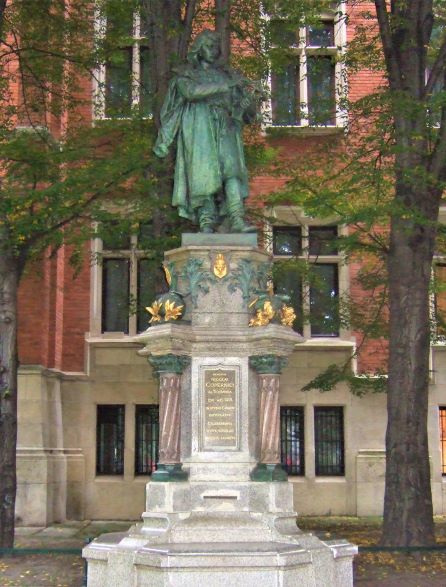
pixel 268 472
pixel 172 472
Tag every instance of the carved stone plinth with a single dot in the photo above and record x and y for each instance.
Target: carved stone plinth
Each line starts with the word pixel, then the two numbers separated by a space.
pixel 232 521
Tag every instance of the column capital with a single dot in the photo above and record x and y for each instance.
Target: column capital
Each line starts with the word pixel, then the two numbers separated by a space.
pixel 169 363
pixel 268 364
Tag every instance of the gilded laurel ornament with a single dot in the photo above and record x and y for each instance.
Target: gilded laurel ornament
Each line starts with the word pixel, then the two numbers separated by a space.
pixel 168 275
pixel 168 307
pixel 171 311
pixel 154 310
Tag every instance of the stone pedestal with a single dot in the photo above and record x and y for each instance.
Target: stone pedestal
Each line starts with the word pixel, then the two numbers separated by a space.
pixel 219 510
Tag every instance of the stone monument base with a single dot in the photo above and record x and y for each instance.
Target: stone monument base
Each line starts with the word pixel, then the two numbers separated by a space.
pixel 218 534
pixel 219 510
pixel 113 561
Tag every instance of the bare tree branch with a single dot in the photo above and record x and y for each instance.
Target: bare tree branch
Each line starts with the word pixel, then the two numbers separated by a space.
pixel 222 26
pixel 2 12
pixel 393 67
pixel 437 69
pixel 191 8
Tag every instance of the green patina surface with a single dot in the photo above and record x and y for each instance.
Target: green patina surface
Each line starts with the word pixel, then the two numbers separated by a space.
pixel 204 111
pixel 169 363
pixel 268 364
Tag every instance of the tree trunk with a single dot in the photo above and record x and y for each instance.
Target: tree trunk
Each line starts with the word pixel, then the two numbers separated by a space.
pixel 408 513
pixel 222 25
pixel 9 278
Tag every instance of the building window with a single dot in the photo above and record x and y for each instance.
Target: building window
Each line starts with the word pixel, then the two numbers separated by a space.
pixel 292 439
pixel 440 300
pixel 306 74
pixel 329 441
pixel 307 269
pixel 127 281
pixel 110 440
pixel 442 411
pixel 146 439
pixel 123 80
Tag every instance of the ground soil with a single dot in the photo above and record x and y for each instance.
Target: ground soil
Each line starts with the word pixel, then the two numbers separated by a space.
pixel 372 569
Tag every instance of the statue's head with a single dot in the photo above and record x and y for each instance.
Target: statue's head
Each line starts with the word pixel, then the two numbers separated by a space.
pixel 206 47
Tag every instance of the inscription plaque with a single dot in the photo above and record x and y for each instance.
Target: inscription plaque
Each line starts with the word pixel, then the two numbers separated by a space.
pixel 220 409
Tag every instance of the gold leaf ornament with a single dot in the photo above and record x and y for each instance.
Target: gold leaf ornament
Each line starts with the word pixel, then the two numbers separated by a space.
pixel 287 315
pixel 263 316
pixel 154 310
pixel 168 275
pixel 220 266
pixel 172 312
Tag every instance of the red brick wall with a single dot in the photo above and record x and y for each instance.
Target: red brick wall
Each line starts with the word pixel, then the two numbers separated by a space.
pixel 54 313
pixel 54 306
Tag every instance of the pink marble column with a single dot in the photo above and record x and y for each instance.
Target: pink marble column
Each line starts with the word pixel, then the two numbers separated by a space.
pixel 169 439
pixel 269 419
pixel 169 369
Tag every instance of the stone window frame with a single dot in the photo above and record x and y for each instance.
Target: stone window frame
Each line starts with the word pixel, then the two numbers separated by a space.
pixel 292 216
pixel 438 337
pixel 99 76
pixel 134 255
pixel 302 50
pixel 442 438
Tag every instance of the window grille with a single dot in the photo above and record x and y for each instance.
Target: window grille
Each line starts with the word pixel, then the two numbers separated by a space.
pixel 110 440
pixel 146 439
pixel 329 441
pixel 443 439
pixel 292 439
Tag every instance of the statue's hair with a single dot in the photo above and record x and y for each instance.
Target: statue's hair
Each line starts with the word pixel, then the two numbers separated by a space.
pixel 194 51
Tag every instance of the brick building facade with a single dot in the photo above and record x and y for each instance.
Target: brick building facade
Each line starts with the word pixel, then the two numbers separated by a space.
pixel 87 401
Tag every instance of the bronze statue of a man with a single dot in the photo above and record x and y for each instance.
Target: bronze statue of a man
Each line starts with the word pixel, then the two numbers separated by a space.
pixel 204 111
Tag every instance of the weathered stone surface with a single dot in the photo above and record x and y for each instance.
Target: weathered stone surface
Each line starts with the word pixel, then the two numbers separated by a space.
pixel 222 525
pixel 219 239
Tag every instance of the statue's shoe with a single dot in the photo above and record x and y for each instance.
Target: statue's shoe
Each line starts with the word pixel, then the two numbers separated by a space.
pixel 239 225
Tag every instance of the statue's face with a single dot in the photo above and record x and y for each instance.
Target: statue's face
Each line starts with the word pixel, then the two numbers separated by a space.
pixel 210 50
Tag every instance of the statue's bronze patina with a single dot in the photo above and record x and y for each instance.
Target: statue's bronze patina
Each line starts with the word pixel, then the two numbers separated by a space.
pixel 204 112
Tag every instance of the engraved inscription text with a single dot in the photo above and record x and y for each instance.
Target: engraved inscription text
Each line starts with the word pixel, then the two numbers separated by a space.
pixel 220 429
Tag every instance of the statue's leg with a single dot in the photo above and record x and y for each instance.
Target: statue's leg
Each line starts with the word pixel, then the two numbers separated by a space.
pixel 207 215
pixel 234 204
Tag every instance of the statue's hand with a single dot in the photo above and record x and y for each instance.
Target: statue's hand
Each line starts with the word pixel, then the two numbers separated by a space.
pixel 161 151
